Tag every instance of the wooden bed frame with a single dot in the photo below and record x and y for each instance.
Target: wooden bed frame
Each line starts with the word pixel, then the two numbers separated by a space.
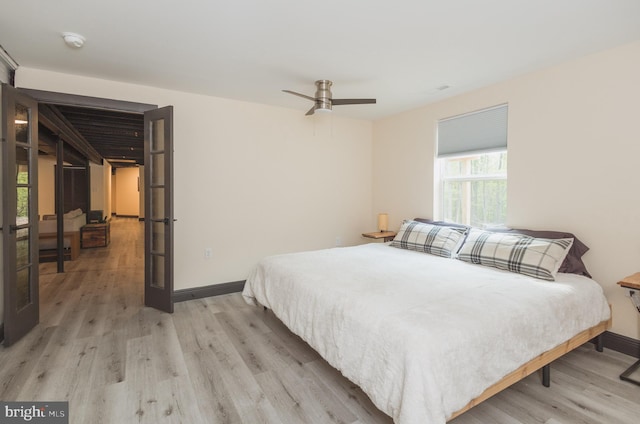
pixel 536 363
pixel 542 360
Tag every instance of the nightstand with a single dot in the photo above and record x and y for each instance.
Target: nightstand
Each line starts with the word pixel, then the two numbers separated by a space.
pixel 632 283
pixel 385 235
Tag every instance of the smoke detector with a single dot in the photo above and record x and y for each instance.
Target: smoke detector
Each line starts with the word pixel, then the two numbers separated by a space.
pixel 73 40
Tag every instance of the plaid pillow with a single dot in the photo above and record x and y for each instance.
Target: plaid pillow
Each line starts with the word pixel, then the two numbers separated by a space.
pixel 433 239
pixel 535 257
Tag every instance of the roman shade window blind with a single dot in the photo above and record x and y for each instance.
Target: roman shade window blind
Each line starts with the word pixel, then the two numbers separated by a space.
pixel 481 131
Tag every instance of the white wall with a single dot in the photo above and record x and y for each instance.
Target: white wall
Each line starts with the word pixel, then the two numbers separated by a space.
pixel 96 176
pixel 574 144
pixel 127 193
pixel 101 187
pixel 250 180
pixel 46 185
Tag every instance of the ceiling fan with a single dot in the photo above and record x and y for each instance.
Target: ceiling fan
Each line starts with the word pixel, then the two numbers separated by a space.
pixel 323 100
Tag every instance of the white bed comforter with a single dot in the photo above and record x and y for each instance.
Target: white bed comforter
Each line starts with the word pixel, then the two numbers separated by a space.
pixel 421 335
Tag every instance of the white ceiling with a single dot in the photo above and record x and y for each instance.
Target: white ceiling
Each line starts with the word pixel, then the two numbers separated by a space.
pixel 396 51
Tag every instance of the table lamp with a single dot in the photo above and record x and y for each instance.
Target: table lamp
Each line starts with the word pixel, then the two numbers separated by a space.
pixel 383 222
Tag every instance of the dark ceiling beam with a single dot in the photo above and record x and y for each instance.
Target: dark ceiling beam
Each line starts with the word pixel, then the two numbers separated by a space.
pixel 118 158
pixel 111 127
pixel 115 163
pixel 94 119
pixel 48 145
pixel 109 147
pixel 51 117
pixel 119 137
pixel 47 142
pixel 115 135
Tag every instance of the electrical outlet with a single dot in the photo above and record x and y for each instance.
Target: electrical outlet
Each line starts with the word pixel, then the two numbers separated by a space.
pixel 207 253
pixel 338 241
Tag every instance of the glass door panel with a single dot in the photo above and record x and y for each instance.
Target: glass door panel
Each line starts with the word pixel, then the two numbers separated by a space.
pixel 157 245
pixel 157 168
pixel 23 289
pixel 157 271
pixel 157 142
pixel 21 121
pixel 23 248
pixel 23 239
pixel 157 203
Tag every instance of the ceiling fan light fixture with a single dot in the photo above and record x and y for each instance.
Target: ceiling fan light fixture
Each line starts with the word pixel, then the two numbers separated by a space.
pixel 73 40
pixel 323 105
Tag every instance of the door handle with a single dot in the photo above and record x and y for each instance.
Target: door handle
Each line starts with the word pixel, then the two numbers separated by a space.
pixel 166 221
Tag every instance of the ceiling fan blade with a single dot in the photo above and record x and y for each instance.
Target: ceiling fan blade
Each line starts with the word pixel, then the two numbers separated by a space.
pixel 352 101
pixel 300 95
pixel 311 111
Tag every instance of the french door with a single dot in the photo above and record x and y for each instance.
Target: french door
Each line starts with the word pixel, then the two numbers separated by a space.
pixel 158 223
pixel 19 213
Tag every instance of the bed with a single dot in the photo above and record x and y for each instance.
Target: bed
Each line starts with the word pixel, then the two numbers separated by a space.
pixel 427 336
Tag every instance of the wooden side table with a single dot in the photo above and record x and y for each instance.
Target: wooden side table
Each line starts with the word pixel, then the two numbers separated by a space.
pixel 95 235
pixel 385 235
pixel 632 283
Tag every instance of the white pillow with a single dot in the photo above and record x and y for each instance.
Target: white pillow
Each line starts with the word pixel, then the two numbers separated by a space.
pixel 535 257
pixel 73 213
pixel 434 239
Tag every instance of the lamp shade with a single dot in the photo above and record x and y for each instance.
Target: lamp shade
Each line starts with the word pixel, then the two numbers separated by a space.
pixel 383 221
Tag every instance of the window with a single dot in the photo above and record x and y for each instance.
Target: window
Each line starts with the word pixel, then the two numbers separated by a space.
pixel 472 164
pixel 474 189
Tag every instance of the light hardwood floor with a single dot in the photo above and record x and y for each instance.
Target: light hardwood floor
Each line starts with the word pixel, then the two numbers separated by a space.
pixel 218 360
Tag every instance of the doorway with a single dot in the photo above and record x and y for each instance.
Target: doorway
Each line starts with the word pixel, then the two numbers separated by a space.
pixel 76 189
pixel 59 101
